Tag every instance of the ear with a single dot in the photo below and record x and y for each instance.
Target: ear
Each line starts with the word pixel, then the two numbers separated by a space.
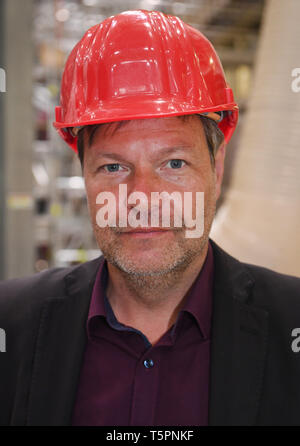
pixel 219 168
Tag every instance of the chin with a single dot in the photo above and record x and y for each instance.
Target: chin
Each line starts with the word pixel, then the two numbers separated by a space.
pixel 142 264
pixel 149 258
pixel 148 263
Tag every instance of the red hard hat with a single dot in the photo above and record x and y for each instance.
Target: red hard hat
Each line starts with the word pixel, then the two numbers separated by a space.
pixel 142 64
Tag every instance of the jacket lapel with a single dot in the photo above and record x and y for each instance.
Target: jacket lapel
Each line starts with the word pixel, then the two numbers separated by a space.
pixel 59 351
pixel 239 343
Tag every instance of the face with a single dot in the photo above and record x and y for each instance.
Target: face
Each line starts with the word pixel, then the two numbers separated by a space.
pixel 152 155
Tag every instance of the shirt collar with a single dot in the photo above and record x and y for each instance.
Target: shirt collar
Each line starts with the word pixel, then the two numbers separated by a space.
pixel 199 298
pixel 97 305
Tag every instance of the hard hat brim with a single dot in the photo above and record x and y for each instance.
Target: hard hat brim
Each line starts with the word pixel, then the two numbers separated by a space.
pixel 118 111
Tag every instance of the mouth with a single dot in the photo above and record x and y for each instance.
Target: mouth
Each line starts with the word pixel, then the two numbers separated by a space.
pixel 146 232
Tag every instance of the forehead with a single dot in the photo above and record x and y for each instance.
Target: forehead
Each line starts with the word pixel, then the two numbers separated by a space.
pixel 187 127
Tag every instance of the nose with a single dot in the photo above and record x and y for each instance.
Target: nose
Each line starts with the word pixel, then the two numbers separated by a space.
pixel 145 180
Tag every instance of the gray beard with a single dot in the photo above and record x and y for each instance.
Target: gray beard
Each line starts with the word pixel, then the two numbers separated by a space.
pixel 150 285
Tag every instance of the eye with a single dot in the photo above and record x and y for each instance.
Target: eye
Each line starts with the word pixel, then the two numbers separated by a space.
pixel 175 164
pixel 112 167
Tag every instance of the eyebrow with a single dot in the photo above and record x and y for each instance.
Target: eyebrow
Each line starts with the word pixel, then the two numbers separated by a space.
pixel 169 150
pixel 113 155
pixel 164 150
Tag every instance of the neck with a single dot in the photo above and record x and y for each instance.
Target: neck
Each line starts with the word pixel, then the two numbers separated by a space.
pixel 151 303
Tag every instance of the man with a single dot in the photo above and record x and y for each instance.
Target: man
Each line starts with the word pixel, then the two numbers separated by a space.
pixel 164 328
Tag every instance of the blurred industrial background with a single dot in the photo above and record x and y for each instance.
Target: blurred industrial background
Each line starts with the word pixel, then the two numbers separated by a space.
pixel 44 219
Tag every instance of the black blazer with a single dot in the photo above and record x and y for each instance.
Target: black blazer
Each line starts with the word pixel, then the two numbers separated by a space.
pixel 255 374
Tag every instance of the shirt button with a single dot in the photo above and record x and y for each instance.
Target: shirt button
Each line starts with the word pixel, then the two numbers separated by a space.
pixel 148 363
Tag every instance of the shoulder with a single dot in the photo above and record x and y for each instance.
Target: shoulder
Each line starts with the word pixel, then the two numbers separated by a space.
pixel 22 299
pixel 24 296
pixel 37 286
pixel 269 289
pixel 278 294
pixel 271 281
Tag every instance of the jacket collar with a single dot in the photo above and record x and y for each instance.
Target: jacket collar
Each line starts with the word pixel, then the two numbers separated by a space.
pixel 239 340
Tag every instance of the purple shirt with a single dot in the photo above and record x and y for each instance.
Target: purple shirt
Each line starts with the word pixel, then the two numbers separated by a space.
pixel 125 381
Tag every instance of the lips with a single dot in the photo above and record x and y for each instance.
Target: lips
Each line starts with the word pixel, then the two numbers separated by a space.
pixel 145 230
